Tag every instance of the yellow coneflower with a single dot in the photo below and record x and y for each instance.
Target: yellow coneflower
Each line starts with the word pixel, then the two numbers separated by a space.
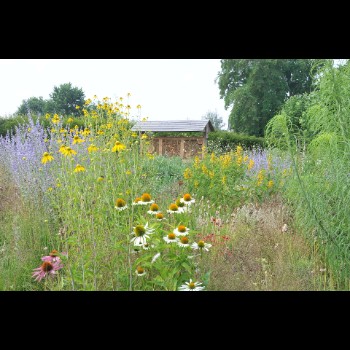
pixel 79 168
pixel 47 157
pixel 67 151
pixel 77 139
pixel 138 106
pixel 55 119
pixel 92 148
pixel 118 147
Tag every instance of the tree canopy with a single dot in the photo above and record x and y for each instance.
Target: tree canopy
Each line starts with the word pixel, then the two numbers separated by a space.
pixel 256 89
pixel 63 100
pixel 66 98
pixel 215 119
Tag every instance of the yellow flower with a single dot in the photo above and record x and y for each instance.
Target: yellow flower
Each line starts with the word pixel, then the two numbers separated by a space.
pixel 47 157
pixel 128 94
pixel 196 184
pixel 92 148
pixel 77 139
pixel 270 184
pixel 77 107
pixel 144 136
pixel 67 151
pixel 70 120
pixel 79 168
pixel 100 178
pixel 260 177
pixel 118 147
pixel 212 157
pixel 187 173
pixel 134 134
pixel 100 132
pixel 138 106
pixel 86 132
pixel 47 115
pixel 128 172
pixel 55 119
pixel 196 162
pixel 251 164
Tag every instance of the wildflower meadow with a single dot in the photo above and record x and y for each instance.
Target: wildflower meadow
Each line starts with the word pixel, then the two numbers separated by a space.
pixel 88 208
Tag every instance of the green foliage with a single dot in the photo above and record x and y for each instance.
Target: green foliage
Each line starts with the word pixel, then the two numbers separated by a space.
pixel 320 190
pixel 256 89
pixel 66 98
pixel 224 141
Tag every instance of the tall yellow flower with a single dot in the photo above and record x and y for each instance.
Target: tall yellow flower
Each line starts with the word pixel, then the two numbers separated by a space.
pixel 77 139
pixel 118 147
pixel 47 157
pixel 251 164
pixel 92 148
pixel 79 168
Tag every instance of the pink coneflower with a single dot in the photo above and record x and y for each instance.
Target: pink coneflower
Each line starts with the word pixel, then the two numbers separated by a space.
pixel 47 268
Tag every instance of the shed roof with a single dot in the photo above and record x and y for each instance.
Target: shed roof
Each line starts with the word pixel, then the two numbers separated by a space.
pixel 173 125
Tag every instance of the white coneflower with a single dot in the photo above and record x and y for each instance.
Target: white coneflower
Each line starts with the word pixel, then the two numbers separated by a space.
pixel 120 204
pixel 173 208
pixel 140 271
pixel 154 209
pixel 155 258
pixel 171 238
pixel 183 242
pixel 141 234
pixel 191 286
pixel 201 245
pixel 187 199
pixel 181 230
pixel 160 216
pixel 136 201
pixel 145 199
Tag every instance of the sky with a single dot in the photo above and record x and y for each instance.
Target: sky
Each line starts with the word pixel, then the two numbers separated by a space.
pixel 166 89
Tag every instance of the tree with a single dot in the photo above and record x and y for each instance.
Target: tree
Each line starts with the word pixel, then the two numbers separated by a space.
pixel 257 88
pixel 215 119
pixel 32 105
pixel 66 98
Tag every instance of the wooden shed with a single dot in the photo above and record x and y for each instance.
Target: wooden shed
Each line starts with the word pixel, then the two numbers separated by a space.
pixel 183 146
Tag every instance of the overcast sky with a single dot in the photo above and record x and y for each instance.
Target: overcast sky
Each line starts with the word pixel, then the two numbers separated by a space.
pixel 167 89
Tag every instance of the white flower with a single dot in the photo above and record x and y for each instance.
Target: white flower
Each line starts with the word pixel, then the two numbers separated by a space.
pixel 191 286
pixel 145 203
pixel 187 202
pixel 201 245
pixel 179 210
pixel 121 208
pixel 140 271
pixel 152 212
pixel 141 234
pixel 171 238
pixel 181 230
pixel 155 258
pixel 284 228
pixel 183 242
